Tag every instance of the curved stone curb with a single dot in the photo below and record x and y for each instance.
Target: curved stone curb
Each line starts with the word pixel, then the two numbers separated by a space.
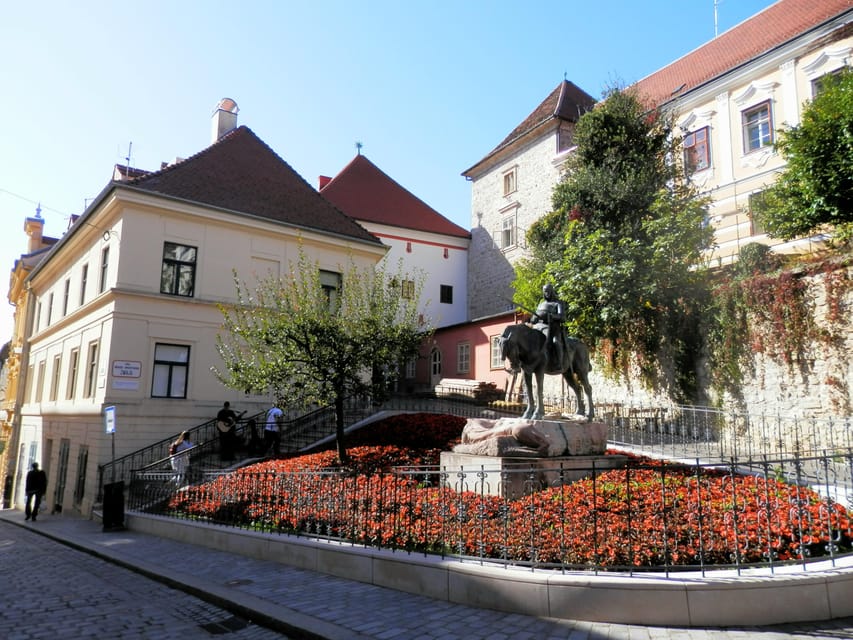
pixel 718 599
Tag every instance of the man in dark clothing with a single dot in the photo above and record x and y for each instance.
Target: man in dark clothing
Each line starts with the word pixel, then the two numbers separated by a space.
pixel 36 486
pixel 226 424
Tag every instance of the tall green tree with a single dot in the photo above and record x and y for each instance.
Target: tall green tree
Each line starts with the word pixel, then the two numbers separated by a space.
pixel 815 190
pixel 311 345
pixel 624 242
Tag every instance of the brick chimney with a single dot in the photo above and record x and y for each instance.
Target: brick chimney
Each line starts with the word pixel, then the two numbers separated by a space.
pixel 324 180
pixel 224 119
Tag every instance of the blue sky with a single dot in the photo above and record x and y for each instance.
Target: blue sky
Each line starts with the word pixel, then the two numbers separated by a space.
pixel 428 88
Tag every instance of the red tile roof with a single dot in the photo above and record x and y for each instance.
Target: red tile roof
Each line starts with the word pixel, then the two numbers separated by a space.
pixel 240 173
pixel 566 102
pixel 364 192
pixel 766 30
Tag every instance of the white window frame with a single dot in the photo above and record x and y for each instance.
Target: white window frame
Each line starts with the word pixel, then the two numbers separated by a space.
pixel 495 352
pixel 510 181
pixel 463 357
pixel 763 125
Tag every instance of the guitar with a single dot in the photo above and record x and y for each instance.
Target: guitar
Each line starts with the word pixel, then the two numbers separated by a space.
pixel 226 425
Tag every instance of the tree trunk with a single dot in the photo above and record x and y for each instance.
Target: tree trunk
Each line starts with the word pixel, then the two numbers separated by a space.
pixel 343 458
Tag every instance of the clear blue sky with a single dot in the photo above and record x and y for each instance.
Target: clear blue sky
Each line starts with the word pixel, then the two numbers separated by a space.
pixel 427 87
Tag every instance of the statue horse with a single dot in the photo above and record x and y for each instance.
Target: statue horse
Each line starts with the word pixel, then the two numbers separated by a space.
pixel 523 346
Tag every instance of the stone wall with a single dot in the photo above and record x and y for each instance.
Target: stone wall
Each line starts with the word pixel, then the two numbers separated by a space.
pixel 818 389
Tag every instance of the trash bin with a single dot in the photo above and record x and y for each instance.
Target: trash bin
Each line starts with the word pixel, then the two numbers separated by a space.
pixel 113 514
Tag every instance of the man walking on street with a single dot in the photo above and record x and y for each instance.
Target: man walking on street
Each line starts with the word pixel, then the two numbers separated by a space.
pixel 36 487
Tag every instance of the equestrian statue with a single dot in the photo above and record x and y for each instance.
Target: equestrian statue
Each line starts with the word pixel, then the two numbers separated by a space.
pixel 542 346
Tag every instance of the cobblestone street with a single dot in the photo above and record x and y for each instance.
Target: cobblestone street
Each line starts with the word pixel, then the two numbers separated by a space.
pixel 53 591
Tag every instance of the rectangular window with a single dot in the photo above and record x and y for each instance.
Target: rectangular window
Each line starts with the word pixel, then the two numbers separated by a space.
pixel 38 316
pixel 91 370
pixel 407 290
pixel 697 151
pixel 61 471
pixel 757 127
pixel 756 201
pixel 82 464
pixel 84 276
pixel 72 374
pixel 54 380
pixel 819 84
pixel 446 294
pixel 411 368
pixel 49 309
pixel 28 385
pixel 40 382
pixel 510 182
pixel 463 357
pixel 177 276
pixel 105 265
pixel 171 369
pixel 330 281
pixel 495 352
pixel 65 297
pixel 508 232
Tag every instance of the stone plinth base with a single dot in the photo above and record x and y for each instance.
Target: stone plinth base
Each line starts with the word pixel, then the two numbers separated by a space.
pixel 520 437
pixel 515 477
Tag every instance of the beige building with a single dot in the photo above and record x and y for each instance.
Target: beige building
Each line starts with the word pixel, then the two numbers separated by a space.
pixel 730 96
pixel 125 303
pixel 733 94
pixel 14 460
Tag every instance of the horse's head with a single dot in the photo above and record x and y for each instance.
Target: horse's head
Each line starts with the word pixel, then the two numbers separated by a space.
pixel 509 350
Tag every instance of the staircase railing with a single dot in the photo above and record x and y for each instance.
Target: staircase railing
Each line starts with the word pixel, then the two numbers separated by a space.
pixel 205 435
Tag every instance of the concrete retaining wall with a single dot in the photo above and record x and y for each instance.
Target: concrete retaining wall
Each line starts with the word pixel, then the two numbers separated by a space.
pixel 722 598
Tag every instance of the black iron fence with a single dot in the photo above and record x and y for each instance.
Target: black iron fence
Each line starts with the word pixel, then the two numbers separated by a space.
pixel 626 514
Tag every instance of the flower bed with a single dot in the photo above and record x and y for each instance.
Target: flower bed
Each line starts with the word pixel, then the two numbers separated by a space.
pixel 649 514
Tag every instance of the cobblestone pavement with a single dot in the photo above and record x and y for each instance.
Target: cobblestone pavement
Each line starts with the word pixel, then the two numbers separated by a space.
pixel 51 590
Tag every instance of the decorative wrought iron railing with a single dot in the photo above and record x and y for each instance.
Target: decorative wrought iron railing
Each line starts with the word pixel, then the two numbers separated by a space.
pixel 642 516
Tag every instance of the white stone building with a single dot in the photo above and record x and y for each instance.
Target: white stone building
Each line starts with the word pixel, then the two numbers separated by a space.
pixel 125 304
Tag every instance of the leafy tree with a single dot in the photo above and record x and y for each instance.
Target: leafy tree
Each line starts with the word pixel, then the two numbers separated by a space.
pixel 625 240
pixel 313 347
pixel 815 190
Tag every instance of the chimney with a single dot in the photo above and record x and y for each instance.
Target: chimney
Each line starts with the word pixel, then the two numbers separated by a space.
pixel 324 180
pixel 224 119
pixel 34 228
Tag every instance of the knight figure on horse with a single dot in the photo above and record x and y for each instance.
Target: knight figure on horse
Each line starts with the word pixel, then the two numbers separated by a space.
pixel 549 318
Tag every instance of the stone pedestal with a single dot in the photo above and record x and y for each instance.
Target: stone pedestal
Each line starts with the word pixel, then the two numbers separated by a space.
pixel 513 457
pixel 515 477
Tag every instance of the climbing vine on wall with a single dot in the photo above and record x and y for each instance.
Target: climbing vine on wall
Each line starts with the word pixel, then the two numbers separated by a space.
pixel 762 308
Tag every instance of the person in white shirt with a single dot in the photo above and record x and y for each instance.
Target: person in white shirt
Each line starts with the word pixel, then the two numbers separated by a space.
pixel 272 431
pixel 180 458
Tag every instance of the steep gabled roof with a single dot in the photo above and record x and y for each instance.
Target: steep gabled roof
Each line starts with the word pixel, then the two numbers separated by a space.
pixel 364 192
pixel 566 102
pixel 763 32
pixel 240 173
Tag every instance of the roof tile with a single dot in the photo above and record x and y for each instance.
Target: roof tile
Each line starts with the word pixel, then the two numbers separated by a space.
pixel 241 173
pixel 770 28
pixel 365 192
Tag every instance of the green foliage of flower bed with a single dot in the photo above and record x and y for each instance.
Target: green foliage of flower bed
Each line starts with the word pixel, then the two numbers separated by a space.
pixel 646 515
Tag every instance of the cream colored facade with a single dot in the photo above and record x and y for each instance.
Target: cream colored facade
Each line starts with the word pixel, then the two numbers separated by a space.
pixel 730 110
pixel 102 322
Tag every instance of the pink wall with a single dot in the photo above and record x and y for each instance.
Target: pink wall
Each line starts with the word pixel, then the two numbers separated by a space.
pixel 478 335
